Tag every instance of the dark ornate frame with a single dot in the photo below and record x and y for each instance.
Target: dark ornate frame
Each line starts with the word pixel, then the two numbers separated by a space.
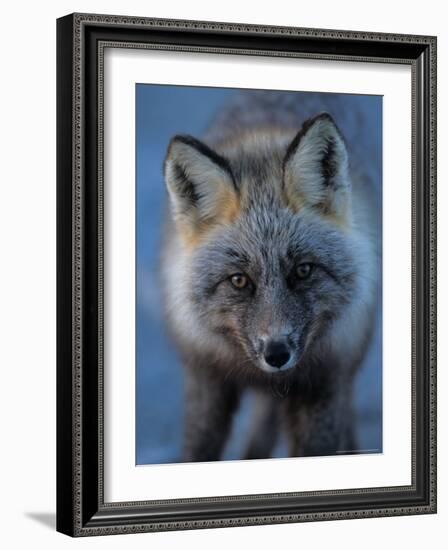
pixel 81 39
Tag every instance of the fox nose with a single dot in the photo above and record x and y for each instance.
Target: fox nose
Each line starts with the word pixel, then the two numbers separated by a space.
pixel 276 353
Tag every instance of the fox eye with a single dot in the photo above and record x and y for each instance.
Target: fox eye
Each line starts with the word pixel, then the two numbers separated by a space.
pixel 239 280
pixel 304 271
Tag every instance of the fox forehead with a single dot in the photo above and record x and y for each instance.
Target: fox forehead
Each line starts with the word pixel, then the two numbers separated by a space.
pixel 256 156
pixel 267 241
pixel 256 160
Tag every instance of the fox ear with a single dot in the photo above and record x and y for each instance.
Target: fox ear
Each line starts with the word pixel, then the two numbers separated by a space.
pixel 200 184
pixel 315 169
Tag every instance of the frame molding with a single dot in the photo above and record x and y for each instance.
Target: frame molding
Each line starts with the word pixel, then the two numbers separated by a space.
pixel 81 39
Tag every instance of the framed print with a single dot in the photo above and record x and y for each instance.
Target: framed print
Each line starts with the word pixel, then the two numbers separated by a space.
pixel 246 274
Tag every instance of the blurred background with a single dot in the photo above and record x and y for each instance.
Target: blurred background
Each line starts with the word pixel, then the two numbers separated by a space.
pixel 161 112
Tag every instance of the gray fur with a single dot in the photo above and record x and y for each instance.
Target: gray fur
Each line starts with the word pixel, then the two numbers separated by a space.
pixel 325 321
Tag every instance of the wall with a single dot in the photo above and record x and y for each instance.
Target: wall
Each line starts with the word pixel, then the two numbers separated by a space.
pixel 27 218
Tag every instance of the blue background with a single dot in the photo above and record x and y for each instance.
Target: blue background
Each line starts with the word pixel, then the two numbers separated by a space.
pixel 161 112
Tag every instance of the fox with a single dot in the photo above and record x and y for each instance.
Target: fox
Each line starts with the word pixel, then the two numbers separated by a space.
pixel 271 273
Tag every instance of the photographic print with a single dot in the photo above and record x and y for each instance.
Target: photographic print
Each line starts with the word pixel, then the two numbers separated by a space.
pixel 259 267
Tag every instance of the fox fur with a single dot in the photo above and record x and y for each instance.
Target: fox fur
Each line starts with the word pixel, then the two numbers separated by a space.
pixel 271 273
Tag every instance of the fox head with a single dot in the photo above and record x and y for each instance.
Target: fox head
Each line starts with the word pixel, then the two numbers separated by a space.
pixel 265 262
